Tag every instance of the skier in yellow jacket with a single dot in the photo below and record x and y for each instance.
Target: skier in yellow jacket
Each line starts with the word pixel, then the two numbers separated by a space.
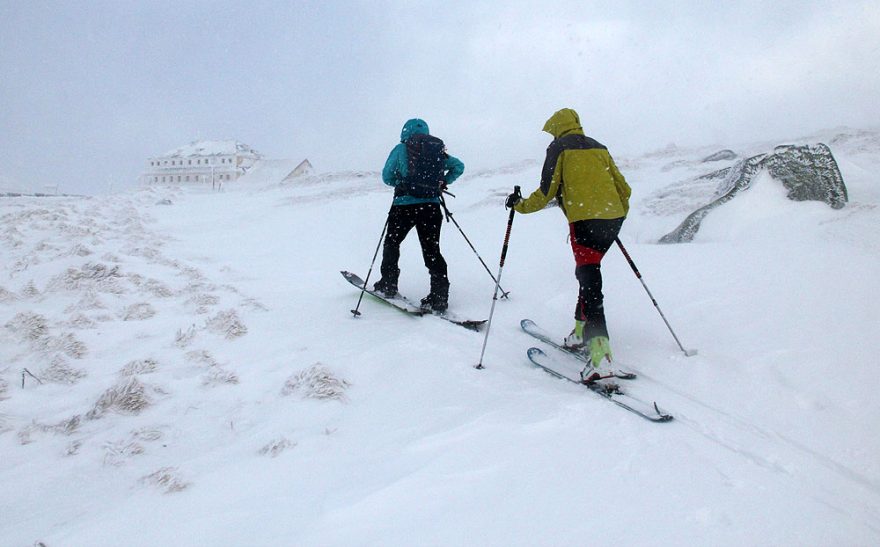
pixel 579 172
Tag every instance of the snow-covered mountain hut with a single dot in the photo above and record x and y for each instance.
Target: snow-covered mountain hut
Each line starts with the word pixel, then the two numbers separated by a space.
pixel 204 162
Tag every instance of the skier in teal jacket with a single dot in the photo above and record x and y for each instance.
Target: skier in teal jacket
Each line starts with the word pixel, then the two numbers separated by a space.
pixel 396 166
pixel 419 169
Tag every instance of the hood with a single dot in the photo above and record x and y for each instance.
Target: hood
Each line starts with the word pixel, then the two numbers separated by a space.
pixel 563 121
pixel 412 127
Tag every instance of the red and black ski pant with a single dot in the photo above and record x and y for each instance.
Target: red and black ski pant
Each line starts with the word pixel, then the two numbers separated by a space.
pixel 427 219
pixel 590 240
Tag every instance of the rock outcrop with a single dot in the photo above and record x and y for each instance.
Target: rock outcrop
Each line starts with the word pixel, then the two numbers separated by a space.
pixel 808 172
pixel 721 155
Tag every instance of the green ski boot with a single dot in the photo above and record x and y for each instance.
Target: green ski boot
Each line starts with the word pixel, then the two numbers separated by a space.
pixel 600 348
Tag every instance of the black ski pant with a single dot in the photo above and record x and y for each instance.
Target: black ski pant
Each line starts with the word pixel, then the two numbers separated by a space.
pixel 590 240
pixel 427 219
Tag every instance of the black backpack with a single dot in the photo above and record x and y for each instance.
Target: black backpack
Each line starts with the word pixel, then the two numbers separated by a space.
pixel 426 168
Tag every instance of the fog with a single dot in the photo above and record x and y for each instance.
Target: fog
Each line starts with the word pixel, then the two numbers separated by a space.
pixel 90 90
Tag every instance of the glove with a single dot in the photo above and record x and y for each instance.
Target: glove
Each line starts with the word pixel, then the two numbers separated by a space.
pixel 512 200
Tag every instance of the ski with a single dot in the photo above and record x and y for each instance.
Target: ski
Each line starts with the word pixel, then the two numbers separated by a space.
pixel 609 391
pixel 398 303
pixel 533 329
pixel 405 305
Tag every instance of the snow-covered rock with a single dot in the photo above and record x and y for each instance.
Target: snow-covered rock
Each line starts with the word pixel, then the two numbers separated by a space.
pixel 807 172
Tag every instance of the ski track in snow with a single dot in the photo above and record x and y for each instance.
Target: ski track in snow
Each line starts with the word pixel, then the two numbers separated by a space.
pixel 756 436
pixel 192 373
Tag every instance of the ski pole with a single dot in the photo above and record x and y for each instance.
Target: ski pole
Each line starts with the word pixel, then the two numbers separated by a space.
pixel 364 288
pixel 498 280
pixel 504 294
pixel 687 352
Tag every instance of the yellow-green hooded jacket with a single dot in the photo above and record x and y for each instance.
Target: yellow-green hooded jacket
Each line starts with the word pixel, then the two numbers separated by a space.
pixel 579 173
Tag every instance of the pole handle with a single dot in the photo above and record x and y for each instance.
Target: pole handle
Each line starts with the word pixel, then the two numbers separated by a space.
pixel 516 190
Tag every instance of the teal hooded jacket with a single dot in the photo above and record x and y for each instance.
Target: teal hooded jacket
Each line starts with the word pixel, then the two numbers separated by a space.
pixel 396 166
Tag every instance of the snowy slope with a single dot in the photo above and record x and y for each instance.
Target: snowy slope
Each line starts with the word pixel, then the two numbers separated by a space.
pixel 204 382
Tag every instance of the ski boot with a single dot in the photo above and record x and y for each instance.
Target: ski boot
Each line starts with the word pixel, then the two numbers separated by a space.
pixel 386 288
pixel 600 349
pixel 435 302
pixel 438 299
pixel 575 340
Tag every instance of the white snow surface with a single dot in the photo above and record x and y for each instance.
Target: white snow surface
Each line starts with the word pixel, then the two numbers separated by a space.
pixel 204 382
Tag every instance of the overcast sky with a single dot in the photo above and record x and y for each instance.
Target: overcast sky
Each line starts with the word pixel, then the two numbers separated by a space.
pixel 89 90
